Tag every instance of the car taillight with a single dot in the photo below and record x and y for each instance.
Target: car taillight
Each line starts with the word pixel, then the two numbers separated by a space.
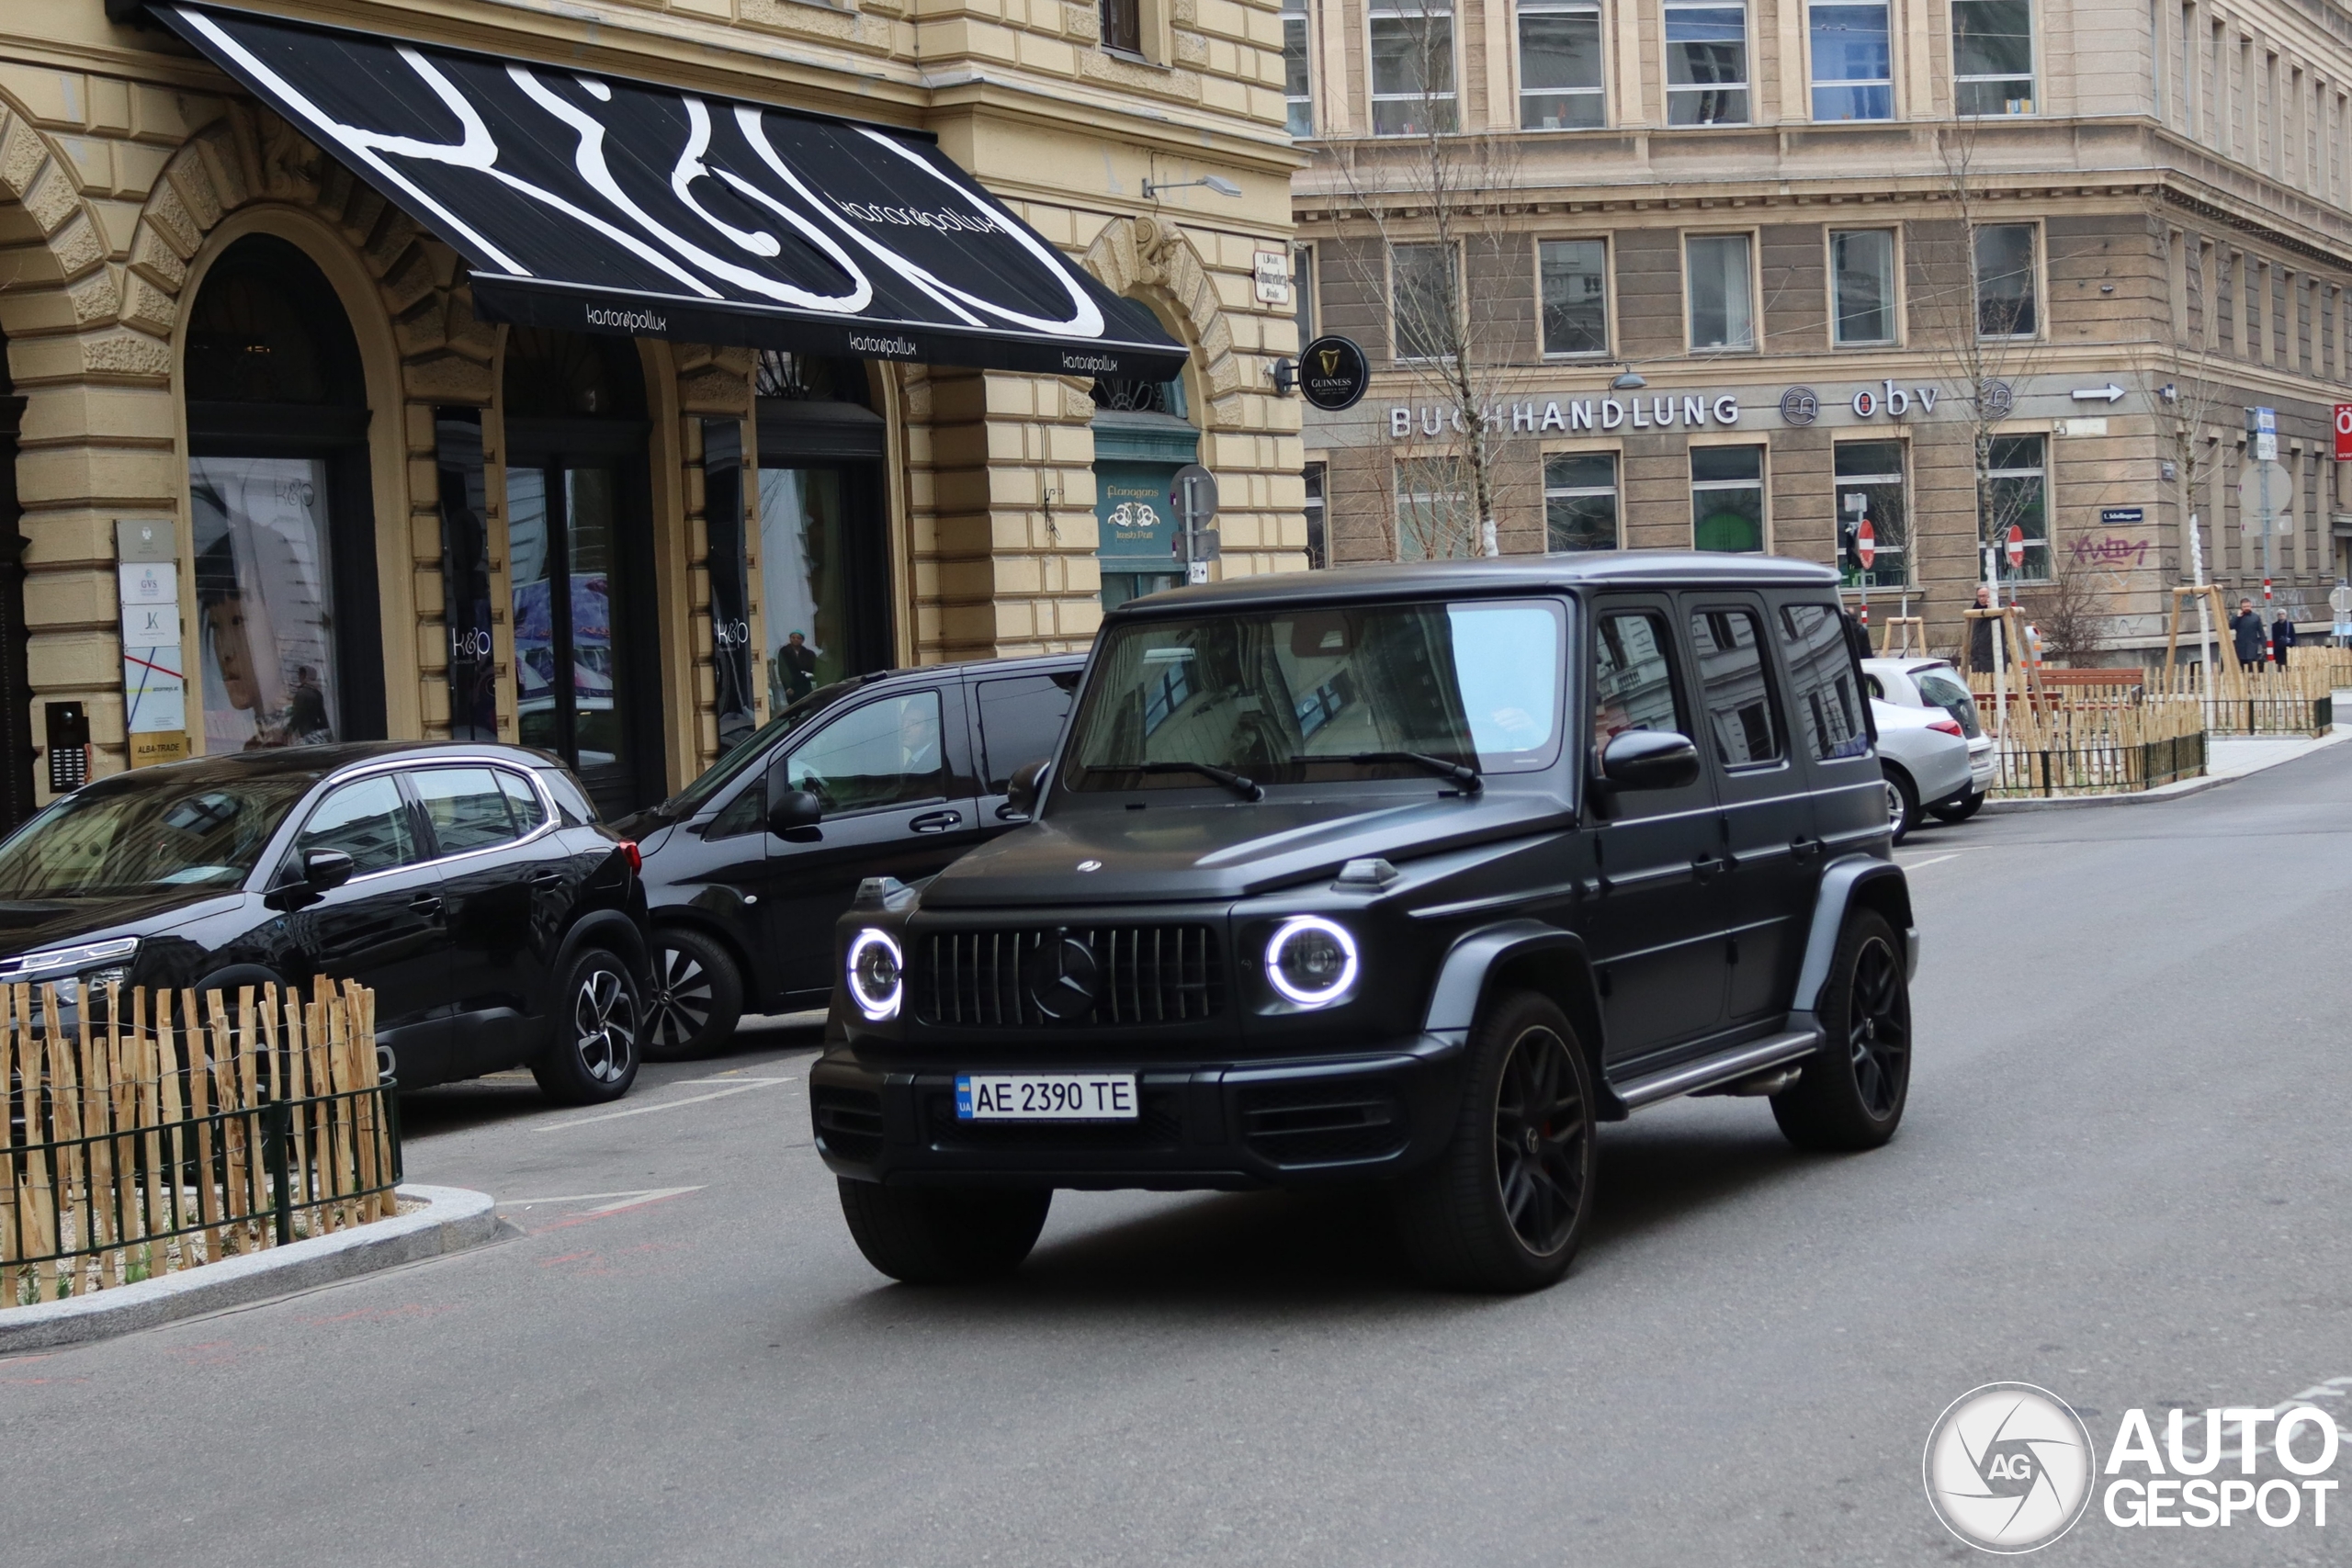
pixel 1947 726
pixel 637 859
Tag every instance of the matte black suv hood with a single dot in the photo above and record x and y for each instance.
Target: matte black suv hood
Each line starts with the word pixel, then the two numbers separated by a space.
pixel 1218 851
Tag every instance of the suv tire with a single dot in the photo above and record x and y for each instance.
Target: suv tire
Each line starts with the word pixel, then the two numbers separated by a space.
pixel 1901 802
pixel 591 1051
pixel 695 997
pixel 1852 1092
pixel 1960 808
pixel 1503 1207
pixel 932 1236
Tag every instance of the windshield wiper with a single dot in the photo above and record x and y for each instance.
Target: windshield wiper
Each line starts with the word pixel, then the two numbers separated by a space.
pixel 1247 788
pixel 1467 777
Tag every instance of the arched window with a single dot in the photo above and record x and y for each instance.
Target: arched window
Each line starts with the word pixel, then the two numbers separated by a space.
pixel 288 648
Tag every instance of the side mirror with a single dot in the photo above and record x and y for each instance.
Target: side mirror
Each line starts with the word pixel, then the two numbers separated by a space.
pixel 325 870
pixel 1650 759
pixel 793 814
pixel 1022 790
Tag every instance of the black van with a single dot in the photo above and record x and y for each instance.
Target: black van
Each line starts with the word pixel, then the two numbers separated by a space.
pixel 1409 875
pixel 747 868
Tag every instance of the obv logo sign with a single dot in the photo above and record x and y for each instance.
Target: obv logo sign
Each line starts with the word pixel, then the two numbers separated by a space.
pixel 1333 374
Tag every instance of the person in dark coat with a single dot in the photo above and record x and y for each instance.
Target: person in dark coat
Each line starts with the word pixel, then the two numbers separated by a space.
pixel 1980 635
pixel 2282 638
pixel 2245 629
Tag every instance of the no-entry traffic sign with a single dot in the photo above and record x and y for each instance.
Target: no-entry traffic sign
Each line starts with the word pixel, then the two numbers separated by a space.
pixel 1866 544
pixel 2017 546
pixel 2343 432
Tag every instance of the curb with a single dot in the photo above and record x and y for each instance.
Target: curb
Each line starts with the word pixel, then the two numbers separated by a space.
pixel 453 1220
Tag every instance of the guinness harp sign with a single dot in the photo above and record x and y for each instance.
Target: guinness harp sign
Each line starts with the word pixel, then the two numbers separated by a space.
pixel 1332 373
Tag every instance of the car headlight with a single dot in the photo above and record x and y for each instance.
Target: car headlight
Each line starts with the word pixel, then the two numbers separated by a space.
pixel 1311 961
pixel 877 975
pixel 67 960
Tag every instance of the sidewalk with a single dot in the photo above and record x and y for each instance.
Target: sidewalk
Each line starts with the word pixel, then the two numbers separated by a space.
pixel 2227 757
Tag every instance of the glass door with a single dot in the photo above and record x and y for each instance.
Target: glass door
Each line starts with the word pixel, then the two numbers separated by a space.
pixel 572 651
pixel 820 602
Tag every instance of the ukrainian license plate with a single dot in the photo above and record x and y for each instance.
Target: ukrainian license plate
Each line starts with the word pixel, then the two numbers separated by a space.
pixel 1046 1097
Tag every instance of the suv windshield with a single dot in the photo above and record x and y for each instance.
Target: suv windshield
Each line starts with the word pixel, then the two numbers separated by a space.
pixel 1321 692
pixel 141 839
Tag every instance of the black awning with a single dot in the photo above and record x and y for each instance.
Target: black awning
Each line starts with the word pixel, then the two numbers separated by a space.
pixel 606 205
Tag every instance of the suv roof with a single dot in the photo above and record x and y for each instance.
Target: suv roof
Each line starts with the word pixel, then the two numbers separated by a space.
pixel 1502 574
pixel 318 761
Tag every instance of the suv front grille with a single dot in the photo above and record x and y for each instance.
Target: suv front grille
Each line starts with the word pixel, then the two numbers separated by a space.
pixel 1142 974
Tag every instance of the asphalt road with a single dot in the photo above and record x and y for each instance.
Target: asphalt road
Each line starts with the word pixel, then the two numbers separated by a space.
pixel 2122 1177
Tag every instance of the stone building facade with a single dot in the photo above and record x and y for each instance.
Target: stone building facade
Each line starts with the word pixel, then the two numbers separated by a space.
pixel 1739 276
pixel 156 219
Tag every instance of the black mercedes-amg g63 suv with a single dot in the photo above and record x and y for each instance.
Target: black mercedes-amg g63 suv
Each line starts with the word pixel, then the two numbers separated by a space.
pixel 1406 875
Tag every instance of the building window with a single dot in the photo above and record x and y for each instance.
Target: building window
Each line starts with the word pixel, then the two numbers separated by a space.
pixel 1580 501
pixel 1575 295
pixel 2005 281
pixel 1853 74
pixel 1870 487
pixel 1423 300
pixel 1123 26
pixel 1298 90
pixel 1862 270
pixel 1992 48
pixel 1728 499
pixel 1432 510
pixel 1318 542
pixel 1302 285
pixel 1412 67
pixel 1706 64
pixel 2016 496
pixel 1721 306
pixel 1559 65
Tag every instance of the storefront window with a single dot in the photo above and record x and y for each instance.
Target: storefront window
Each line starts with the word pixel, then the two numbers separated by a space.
pixel 1728 499
pixel 1433 520
pixel 730 598
pixel 1992 48
pixel 1706 64
pixel 1862 262
pixel 1318 544
pixel 266 601
pixel 1559 64
pixel 1580 501
pixel 1853 76
pixel 1575 295
pixel 1298 91
pixel 1412 67
pixel 1716 267
pixel 824 579
pixel 465 575
pixel 804 581
pixel 2015 495
pixel 1870 487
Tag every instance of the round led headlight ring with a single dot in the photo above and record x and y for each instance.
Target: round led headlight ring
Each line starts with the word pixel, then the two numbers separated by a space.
pixel 877 975
pixel 1311 961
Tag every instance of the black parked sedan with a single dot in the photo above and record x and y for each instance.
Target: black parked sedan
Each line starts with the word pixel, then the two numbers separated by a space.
pixel 469 885
pixel 896 775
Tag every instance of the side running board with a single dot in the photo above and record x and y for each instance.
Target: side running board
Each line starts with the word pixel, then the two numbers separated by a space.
pixel 1689 1077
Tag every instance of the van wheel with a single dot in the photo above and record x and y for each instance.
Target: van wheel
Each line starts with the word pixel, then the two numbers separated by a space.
pixel 1959 809
pixel 1504 1207
pixel 1901 802
pixel 1852 1092
pixel 931 1236
pixel 695 999
pixel 591 1054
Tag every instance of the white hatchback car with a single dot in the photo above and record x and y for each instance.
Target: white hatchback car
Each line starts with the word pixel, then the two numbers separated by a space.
pixel 1929 684
pixel 1925 759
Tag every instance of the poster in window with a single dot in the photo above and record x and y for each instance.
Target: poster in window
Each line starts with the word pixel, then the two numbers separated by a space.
pixel 264 603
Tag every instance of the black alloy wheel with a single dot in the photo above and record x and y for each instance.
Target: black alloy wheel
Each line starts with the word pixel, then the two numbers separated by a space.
pixel 1852 1093
pixel 1504 1205
pixel 591 1052
pixel 696 998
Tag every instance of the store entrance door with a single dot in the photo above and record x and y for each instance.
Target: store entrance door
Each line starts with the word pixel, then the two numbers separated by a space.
pixel 824 571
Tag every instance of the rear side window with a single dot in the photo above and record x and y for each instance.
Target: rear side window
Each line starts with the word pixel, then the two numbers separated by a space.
pixel 367 820
pixel 1633 680
pixel 466 807
pixel 522 802
pixel 1952 698
pixel 570 798
pixel 1732 684
pixel 1823 681
pixel 1021 717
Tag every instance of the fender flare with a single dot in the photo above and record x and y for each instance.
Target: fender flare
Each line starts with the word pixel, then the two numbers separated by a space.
pixel 604 928
pixel 1466 977
pixel 1845 882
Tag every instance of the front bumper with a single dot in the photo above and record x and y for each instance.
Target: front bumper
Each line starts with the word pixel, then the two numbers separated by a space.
pixel 1204 1125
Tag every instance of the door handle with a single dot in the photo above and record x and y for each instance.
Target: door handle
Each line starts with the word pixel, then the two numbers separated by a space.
pixel 1706 869
pixel 427 904
pixel 1806 848
pixel 546 877
pixel 936 821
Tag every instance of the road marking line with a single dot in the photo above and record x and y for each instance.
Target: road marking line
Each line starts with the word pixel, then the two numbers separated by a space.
pixel 736 1088
pixel 625 1200
pixel 733 1080
pixel 1933 860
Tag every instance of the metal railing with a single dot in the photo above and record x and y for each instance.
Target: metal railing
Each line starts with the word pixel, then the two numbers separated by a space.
pixel 2097 769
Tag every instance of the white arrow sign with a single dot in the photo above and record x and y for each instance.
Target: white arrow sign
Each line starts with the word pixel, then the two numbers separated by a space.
pixel 2108 393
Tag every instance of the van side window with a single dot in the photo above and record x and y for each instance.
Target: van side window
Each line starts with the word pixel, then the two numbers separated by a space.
pixel 1740 712
pixel 884 753
pixel 1821 671
pixel 1633 683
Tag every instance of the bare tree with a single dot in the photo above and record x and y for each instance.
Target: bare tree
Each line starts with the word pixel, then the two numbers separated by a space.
pixel 2069 610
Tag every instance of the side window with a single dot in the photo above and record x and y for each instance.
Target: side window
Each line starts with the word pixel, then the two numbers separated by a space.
pixel 1633 680
pixel 570 798
pixel 522 803
pixel 1021 717
pixel 885 753
pixel 466 807
pixel 1823 679
pixel 366 820
pixel 1741 714
pixel 747 813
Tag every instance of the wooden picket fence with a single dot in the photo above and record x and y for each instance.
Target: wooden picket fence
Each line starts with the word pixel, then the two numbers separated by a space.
pixel 2081 736
pixel 176 1129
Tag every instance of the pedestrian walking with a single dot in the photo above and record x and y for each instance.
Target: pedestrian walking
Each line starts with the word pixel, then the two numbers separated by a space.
pixel 2245 631
pixel 2282 638
pixel 1980 635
